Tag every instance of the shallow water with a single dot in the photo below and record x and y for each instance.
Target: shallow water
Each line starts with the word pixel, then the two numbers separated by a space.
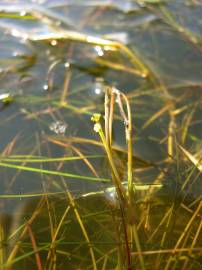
pixel 57 85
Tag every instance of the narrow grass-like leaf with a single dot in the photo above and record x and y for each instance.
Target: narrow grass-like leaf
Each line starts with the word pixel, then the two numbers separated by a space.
pixel 57 173
pixel 195 161
pixel 36 159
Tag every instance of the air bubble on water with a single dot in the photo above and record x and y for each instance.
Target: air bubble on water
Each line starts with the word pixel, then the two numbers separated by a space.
pixel 98 91
pixel 98 86
pixel 99 50
pixel 67 64
pixel 111 195
pixel 23 13
pixel 54 42
pixel 45 87
pixel 58 127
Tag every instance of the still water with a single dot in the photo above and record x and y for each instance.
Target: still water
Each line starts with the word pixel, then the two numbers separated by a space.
pixel 48 144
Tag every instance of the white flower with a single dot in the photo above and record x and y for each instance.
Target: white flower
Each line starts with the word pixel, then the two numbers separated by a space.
pixel 97 127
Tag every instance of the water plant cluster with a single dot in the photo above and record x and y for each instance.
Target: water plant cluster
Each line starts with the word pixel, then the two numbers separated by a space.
pixel 100 117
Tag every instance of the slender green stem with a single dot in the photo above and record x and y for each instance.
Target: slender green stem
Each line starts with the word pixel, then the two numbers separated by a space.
pixel 138 246
pixel 128 127
pixel 107 113
pixel 127 118
pixel 117 181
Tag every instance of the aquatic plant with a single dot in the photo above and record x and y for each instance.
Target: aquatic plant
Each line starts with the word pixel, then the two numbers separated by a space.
pixel 126 194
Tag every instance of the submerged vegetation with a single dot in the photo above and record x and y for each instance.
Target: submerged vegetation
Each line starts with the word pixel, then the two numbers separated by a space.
pixel 101 135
